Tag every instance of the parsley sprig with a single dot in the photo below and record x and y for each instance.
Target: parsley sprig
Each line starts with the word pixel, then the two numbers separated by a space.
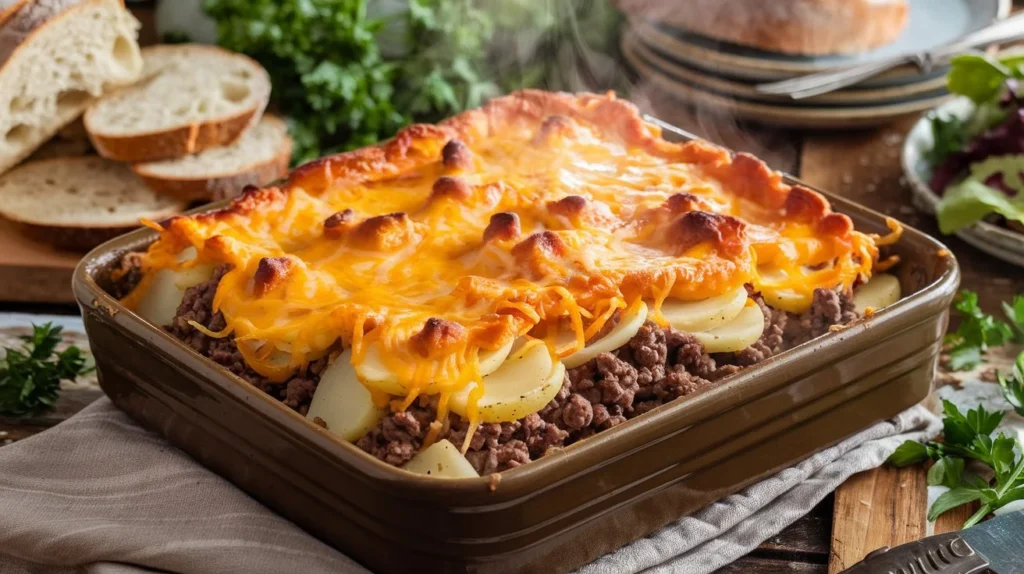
pixel 1013 385
pixel 349 73
pixel 978 332
pixel 30 375
pixel 968 437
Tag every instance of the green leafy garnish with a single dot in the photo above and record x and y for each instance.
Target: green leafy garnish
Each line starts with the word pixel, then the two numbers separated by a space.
pixel 971 200
pixel 1015 313
pixel 1013 384
pixel 975 334
pixel 978 77
pixel 948 133
pixel 946 472
pixel 349 73
pixel 30 375
pixel 968 436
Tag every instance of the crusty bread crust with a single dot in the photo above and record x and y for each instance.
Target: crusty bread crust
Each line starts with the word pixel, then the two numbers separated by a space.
pixel 223 186
pixel 181 141
pixel 17 26
pixel 174 143
pixel 79 239
pixel 8 8
pixel 21 25
pixel 800 27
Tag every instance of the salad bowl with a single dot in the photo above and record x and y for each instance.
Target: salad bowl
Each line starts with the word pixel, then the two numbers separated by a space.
pixel 993 239
pixel 964 160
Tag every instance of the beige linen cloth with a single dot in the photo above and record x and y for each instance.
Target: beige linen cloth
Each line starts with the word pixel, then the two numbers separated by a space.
pixel 99 494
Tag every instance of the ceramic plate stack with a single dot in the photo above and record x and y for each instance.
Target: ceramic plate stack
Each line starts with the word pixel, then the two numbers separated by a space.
pixel 717 76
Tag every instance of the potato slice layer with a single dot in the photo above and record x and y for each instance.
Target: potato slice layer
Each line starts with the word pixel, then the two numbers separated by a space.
pixel 691 316
pixel 736 335
pixel 524 384
pixel 620 335
pixel 442 460
pixel 375 373
pixel 343 402
pixel 159 304
pixel 880 291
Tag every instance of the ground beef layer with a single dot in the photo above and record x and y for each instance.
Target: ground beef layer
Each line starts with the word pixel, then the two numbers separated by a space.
pixel 655 367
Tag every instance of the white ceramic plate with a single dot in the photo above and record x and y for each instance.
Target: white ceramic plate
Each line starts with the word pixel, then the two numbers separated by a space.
pixel 789 116
pixel 992 239
pixel 932 23
pixel 929 88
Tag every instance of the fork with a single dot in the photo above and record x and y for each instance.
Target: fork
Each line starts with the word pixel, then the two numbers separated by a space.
pixel 819 83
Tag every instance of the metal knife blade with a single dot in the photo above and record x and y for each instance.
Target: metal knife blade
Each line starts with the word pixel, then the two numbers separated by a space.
pixel 996 545
pixel 1000 541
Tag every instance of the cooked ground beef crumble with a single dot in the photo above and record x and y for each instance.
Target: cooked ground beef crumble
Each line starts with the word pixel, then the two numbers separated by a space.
pixel 657 366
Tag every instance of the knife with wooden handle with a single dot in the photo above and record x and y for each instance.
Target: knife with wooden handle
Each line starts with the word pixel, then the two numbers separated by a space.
pixel 996 545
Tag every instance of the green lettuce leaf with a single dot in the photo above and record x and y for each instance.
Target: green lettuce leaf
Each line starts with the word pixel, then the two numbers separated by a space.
pixel 969 201
pixel 977 77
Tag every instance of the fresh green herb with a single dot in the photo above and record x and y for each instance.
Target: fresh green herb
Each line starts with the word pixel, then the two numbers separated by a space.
pixel 975 334
pixel 30 375
pixel 1013 384
pixel 1015 313
pixel 978 77
pixel 327 71
pixel 948 133
pixel 443 76
pixel 968 436
pixel 349 73
pixel 946 472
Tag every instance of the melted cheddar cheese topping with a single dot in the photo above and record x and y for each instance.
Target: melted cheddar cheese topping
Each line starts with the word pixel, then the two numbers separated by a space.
pixel 538 213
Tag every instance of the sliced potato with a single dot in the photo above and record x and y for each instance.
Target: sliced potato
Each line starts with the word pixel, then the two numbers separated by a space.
pixel 691 316
pixel 524 384
pixel 736 335
pixel 880 291
pixel 780 297
pixel 343 402
pixel 442 460
pixel 786 299
pixel 375 373
pixel 490 361
pixel 620 335
pixel 160 303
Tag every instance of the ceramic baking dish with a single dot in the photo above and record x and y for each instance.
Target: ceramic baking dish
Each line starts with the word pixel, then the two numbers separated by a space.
pixel 567 508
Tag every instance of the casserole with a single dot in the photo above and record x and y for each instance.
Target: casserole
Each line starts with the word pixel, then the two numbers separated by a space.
pixel 639 475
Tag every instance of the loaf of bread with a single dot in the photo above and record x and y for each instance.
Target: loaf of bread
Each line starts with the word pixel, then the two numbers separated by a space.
pixel 797 27
pixel 56 57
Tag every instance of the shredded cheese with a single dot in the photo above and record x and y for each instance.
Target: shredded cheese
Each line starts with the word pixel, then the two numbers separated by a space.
pixel 590 224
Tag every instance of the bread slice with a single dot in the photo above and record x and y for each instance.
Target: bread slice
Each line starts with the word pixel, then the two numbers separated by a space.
pixel 259 157
pixel 8 8
pixel 191 98
pixel 78 203
pixel 56 56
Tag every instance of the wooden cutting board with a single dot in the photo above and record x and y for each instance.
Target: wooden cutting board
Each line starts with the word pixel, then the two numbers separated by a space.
pixel 32 272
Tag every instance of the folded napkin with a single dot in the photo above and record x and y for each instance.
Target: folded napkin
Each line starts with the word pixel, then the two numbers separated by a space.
pixel 99 493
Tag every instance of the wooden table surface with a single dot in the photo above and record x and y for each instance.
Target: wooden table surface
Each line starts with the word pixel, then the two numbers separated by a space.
pixel 885 506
